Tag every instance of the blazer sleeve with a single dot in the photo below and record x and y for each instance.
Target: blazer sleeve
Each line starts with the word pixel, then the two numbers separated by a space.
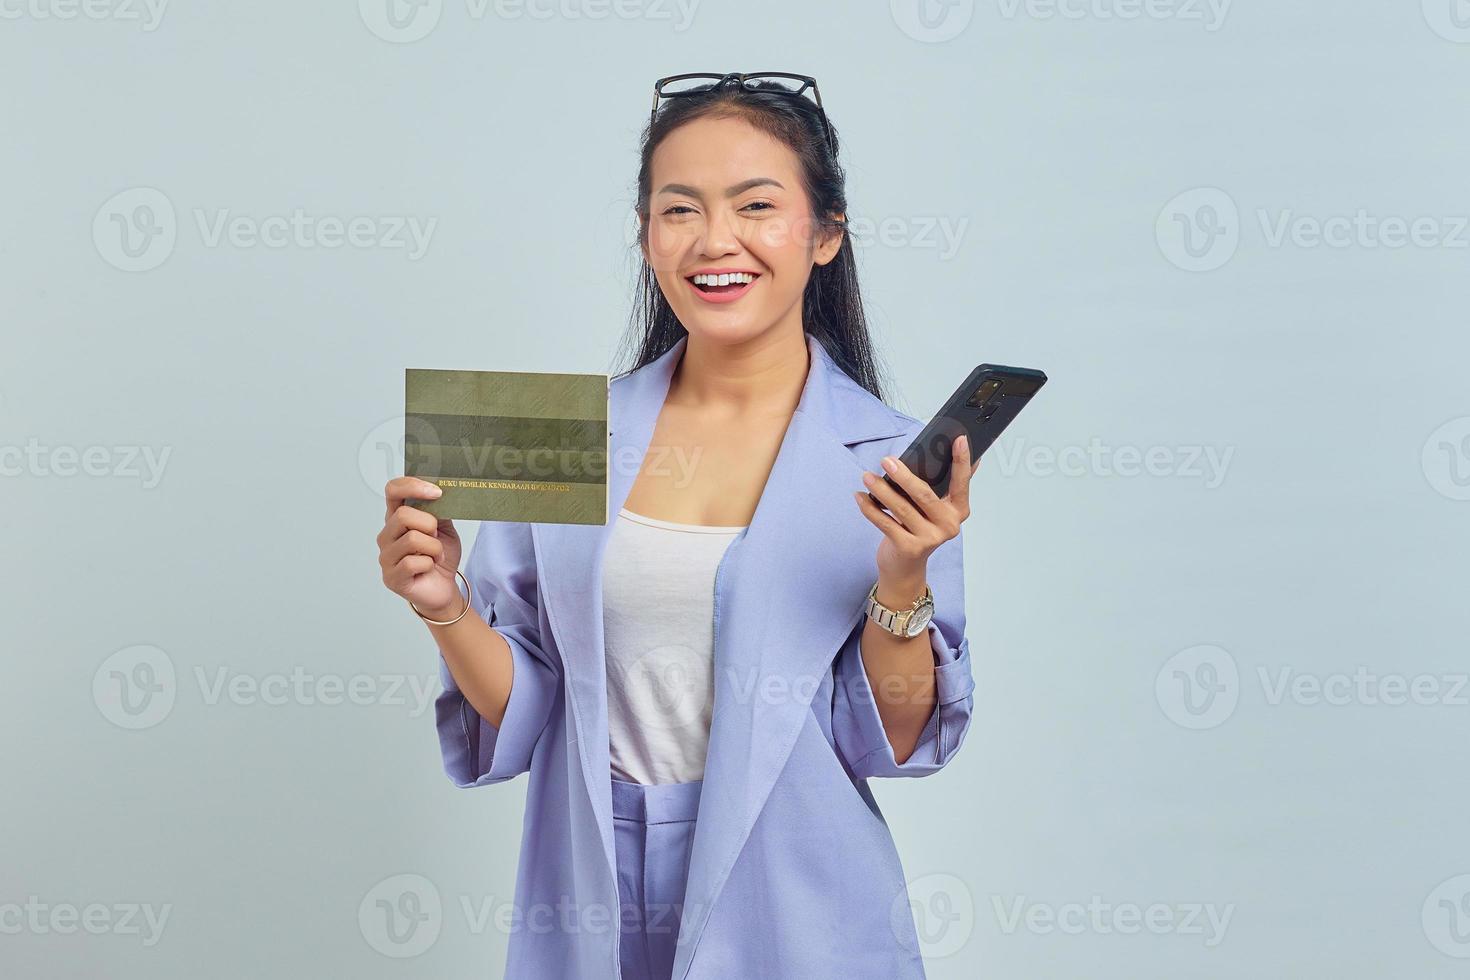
pixel 857 728
pixel 502 568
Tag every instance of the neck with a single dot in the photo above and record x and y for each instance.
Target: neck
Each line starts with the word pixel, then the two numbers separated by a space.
pixel 765 374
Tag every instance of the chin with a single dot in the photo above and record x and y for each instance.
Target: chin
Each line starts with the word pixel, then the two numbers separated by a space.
pixel 720 330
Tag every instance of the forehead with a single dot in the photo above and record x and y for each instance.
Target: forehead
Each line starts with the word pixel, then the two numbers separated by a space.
pixel 715 153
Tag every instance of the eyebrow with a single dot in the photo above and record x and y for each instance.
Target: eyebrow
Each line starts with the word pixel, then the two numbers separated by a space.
pixel 732 191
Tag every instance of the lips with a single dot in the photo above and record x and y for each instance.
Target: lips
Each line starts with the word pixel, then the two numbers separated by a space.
pixel 722 294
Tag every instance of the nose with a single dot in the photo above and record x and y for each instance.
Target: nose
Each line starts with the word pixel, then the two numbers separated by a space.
pixel 719 235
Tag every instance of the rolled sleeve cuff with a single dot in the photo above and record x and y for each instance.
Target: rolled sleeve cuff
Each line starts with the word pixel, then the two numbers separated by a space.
pixel 858 728
pixel 476 753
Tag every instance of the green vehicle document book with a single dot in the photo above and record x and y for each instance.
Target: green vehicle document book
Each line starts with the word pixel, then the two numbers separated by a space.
pixel 521 446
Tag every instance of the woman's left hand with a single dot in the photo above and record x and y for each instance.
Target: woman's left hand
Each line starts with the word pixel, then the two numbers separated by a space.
pixel 912 533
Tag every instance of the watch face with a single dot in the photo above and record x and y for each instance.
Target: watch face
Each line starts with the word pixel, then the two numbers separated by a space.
pixel 919 621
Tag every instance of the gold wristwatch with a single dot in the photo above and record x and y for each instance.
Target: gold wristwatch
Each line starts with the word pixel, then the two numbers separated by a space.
pixel 906 623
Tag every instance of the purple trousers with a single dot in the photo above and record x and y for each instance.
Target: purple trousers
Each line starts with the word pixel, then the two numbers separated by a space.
pixel 653 829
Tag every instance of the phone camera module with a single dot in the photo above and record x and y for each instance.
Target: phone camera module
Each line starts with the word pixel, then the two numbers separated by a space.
pixel 983 393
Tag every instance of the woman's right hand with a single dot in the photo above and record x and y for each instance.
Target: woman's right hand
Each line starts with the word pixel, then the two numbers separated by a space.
pixel 418 552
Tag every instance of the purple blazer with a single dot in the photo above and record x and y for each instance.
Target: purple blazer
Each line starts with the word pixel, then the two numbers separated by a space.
pixel 793 871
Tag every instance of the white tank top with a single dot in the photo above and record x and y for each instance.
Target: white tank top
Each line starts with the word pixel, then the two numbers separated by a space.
pixel 658 626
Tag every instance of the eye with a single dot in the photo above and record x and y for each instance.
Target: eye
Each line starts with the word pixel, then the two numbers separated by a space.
pixel 678 209
pixel 763 205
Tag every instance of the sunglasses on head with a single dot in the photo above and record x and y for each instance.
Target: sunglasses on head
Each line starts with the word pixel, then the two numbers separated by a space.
pixel 696 83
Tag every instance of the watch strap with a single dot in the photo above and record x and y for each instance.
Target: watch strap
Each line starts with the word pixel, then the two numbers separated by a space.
pixel 894 621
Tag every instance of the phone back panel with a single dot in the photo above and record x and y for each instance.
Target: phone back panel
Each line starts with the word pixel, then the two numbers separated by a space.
pixel 929 455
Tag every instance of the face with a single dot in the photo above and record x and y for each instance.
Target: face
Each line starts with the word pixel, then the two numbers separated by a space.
pixel 727 198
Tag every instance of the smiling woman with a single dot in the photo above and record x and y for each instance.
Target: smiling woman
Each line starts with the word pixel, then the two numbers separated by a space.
pixel 747 169
pixel 702 687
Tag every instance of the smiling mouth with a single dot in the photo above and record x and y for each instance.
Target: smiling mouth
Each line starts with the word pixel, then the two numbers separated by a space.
pixel 714 289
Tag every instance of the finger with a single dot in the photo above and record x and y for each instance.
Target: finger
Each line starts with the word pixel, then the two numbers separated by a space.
pixel 920 492
pixel 960 471
pixel 900 508
pixel 408 568
pixel 407 518
pixel 401 488
pixel 412 543
pixel 883 521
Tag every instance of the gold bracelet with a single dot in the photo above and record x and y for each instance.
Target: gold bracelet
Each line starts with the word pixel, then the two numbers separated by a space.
pixel 469 589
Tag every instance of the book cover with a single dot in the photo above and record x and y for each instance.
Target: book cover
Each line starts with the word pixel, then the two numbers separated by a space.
pixel 523 446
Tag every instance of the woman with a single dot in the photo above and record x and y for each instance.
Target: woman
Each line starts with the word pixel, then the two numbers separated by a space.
pixel 692 685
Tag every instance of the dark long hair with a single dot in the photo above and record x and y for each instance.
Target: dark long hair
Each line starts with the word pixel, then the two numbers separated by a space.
pixel 831 304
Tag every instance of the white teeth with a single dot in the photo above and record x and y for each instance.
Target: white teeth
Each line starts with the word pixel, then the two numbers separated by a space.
pixel 724 279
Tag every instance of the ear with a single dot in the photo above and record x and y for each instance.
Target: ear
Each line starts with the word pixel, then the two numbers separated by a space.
pixel 827 248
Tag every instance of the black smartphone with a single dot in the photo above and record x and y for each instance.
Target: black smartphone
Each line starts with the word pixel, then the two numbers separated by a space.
pixel 981 408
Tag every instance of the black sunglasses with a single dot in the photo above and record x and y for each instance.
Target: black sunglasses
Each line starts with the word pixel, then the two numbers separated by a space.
pixel 697 83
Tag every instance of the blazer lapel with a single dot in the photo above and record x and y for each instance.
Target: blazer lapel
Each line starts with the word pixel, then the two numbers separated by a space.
pixel 790 591
pixel 570 560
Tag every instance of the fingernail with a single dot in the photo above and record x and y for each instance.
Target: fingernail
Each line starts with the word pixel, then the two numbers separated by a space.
pixel 890 464
pixel 869 479
pixel 433 491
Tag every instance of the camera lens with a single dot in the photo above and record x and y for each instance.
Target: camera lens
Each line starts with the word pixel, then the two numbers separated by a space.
pixel 983 393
